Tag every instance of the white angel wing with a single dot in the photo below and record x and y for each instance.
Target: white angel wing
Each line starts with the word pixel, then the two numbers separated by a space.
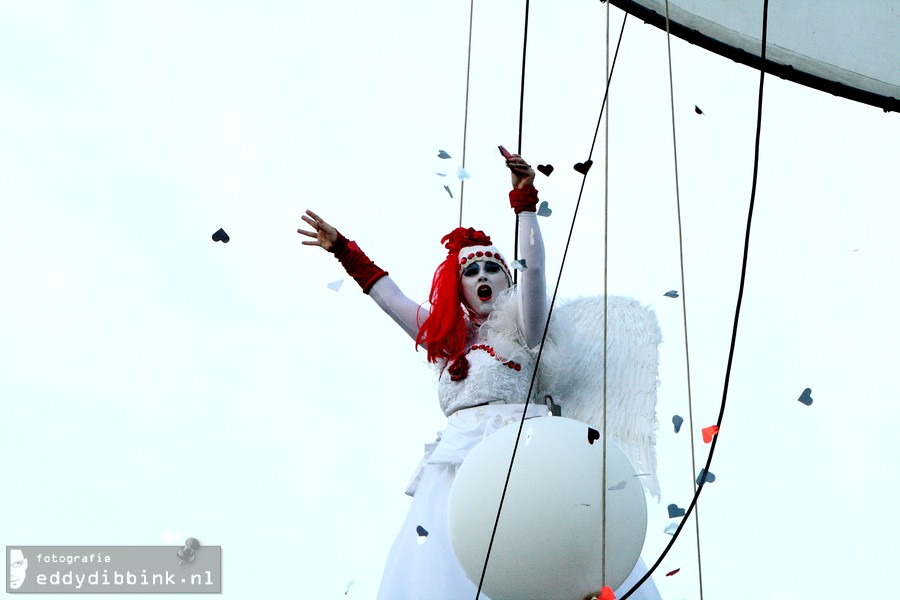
pixel 573 374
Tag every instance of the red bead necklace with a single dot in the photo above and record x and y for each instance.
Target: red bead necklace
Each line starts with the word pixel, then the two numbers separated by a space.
pixel 509 363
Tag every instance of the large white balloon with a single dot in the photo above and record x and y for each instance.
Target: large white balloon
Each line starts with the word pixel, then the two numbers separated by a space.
pixel 549 542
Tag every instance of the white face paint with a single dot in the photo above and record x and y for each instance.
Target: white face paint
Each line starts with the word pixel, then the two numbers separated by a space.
pixel 482 281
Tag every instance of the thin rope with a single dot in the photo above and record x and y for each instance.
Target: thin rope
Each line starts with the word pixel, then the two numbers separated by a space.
pixel 462 184
pixel 547 324
pixel 605 304
pixel 737 311
pixel 687 352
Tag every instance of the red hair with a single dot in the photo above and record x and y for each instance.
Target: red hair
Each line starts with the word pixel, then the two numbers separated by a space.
pixel 444 331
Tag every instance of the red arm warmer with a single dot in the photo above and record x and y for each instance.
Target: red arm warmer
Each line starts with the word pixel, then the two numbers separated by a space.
pixel 524 199
pixel 358 266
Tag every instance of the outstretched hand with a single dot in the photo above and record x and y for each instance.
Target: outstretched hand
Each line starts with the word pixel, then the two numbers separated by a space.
pixel 521 172
pixel 324 235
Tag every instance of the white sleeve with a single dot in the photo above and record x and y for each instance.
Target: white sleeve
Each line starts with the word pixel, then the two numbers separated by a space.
pixel 405 312
pixel 533 303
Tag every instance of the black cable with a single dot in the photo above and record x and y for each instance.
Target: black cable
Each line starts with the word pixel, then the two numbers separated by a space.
pixel 521 120
pixel 546 325
pixel 737 311
pixel 522 85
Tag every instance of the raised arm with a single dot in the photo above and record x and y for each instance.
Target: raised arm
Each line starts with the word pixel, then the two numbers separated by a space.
pixel 533 303
pixel 373 280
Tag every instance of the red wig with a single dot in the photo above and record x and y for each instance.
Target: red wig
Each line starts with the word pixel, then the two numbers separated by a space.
pixel 444 331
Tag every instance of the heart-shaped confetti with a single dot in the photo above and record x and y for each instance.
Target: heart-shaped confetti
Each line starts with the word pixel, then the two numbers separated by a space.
pixel 677 421
pixel 544 209
pixel 670 573
pixel 462 174
pixel 447 187
pixel 336 285
pixel 584 167
pixel 671 294
pixel 709 432
pixel 671 528
pixel 440 174
pixel 697 110
pixel 593 435
pixel 443 154
pixel 221 236
pixel 519 265
pixel 545 169
pixel 705 475
pixel 806 397
pixel 674 511
pixel 422 533
pixel 617 487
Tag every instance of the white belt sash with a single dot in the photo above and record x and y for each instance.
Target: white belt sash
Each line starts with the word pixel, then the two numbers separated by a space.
pixel 465 430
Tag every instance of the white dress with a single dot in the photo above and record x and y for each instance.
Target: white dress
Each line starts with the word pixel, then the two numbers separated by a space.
pixel 422 564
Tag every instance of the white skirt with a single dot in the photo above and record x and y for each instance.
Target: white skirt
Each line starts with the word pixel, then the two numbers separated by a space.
pixel 421 564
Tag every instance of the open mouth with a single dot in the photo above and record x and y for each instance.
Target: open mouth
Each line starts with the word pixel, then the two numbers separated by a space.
pixel 484 292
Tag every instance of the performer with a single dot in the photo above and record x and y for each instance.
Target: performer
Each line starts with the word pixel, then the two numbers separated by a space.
pixel 482 334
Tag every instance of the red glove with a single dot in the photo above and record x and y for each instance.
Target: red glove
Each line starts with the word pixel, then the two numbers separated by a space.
pixel 358 266
pixel 524 199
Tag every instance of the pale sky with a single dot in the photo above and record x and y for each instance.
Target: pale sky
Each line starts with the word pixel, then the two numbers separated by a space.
pixel 156 385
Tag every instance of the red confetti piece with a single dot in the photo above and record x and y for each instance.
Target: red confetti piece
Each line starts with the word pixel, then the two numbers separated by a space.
pixel 709 432
pixel 606 594
pixel 670 573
